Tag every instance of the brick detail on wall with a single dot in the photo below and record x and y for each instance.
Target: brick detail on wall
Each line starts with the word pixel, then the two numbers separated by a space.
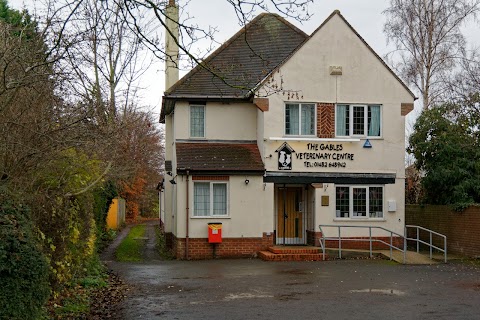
pixel 199 248
pixel 406 108
pixel 261 103
pixel 461 228
pixel 325 120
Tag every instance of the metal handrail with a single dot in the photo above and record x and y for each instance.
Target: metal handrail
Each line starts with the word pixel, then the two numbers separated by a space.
pixel 430 243
pixel 370 239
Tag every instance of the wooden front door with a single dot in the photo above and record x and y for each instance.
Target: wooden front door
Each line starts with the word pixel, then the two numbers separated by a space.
pixel 290 216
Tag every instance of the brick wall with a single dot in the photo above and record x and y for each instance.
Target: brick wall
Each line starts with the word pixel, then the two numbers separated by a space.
pixel 365 244
pixel 313 238
pixel 199 248
pixel 461 228
pixel 325 120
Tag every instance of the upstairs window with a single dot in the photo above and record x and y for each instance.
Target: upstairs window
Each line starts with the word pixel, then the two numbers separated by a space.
pixel 197 121
pixel 300 119
pixel 358 121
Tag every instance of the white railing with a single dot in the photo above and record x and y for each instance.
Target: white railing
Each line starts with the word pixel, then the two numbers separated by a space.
pixel 390 235
pixel 430 243
pixel 370 239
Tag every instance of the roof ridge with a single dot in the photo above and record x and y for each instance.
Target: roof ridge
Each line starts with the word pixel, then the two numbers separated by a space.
pixel 225 45
pixel 290 25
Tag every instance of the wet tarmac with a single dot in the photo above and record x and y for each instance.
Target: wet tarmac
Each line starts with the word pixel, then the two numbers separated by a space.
pixel 340 289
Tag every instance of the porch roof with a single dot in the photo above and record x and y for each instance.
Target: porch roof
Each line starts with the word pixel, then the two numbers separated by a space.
pixel 329 177
pixel 219 158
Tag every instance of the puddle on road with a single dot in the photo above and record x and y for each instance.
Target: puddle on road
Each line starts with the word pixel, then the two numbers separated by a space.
pixel 390 292
pixel 234 296
pixel 245 295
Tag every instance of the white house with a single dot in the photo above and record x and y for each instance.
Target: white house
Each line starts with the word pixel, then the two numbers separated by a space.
pixel 290 132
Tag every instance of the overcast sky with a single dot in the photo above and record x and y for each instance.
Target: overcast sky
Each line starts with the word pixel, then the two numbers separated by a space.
pixel 364 15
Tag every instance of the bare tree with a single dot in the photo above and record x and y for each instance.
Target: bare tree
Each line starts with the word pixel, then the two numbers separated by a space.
pixel 192 34
pixel 103 56
pixel 429 41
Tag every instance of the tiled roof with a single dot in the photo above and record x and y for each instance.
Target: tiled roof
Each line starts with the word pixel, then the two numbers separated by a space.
pixel 243 61
pixel 219 157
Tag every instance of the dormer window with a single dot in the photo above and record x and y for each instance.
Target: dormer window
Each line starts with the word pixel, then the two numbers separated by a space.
pixel 197 121
pixel 300 119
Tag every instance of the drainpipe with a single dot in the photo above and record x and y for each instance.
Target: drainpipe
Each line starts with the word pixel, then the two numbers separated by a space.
pixel 187 219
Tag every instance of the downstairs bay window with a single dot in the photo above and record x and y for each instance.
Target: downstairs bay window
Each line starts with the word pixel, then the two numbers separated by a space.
pixel 359 202
pixel 358 121
pixel 210 199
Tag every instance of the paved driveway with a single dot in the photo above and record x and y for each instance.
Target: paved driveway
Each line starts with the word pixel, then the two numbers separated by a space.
pixel 253 289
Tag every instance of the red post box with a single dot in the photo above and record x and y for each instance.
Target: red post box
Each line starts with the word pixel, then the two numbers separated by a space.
pixel 215 232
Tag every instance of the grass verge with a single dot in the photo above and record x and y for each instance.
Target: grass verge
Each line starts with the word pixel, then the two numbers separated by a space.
pixel 130 249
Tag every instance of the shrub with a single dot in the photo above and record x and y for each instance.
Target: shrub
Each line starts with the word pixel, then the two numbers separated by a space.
pixel 24 285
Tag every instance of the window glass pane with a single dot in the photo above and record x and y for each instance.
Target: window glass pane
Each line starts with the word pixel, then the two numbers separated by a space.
pixel 219 199
pixel 197 121
pixel 375 195
pixel 374 121
pixel 308 119
pixel 342 120
pixel 201 199
pixel 359 202
pixel 292 120
pixel 342 202
pixel 358 120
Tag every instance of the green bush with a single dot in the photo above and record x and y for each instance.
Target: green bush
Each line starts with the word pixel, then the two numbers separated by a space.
pixel 24 287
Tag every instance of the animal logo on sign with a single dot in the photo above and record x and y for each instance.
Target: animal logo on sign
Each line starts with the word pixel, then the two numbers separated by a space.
pixel 285 157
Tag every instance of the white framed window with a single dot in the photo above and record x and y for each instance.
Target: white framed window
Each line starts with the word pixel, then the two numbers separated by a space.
pixel 197 121
pixel 210 199
pixel 359 202
pixel 358 120
pixel 300 119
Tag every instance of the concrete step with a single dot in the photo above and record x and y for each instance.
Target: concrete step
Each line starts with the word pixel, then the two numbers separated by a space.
pixel 294 250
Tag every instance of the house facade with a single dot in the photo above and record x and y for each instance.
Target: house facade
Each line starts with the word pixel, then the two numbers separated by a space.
pixel 285 132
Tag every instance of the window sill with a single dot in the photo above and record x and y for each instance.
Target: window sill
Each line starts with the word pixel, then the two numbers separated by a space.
pixel 314 139
pixel 211 217
pixel 358 138
pixel 360 219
